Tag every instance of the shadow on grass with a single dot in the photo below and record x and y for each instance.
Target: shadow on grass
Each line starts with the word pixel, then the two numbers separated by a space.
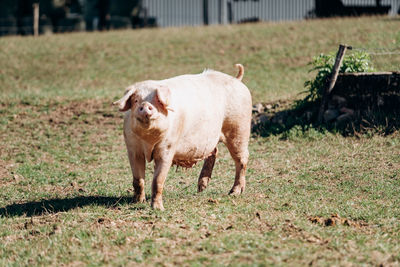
pixel 281 121
pixel 49 206
pixel 293 119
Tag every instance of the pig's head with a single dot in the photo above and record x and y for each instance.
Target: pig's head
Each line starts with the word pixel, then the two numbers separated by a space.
pixel 149 105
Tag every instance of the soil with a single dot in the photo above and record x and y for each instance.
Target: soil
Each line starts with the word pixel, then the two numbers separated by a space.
pixel 335 220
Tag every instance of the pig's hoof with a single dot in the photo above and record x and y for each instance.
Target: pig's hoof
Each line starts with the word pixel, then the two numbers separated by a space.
pixel 236 190
pixel 203 183
pixel 139 198
pixel 201 188
pixel 157 205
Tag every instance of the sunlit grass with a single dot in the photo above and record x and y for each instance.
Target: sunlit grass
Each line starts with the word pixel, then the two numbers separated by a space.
pixel 65 181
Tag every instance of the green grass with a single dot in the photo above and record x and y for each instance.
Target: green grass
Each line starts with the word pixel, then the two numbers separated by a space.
pixel 65 182
pixel 275 56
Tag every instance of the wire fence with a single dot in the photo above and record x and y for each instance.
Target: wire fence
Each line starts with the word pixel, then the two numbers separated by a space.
pixel 378 51
pixel 379 57
pixel 167 13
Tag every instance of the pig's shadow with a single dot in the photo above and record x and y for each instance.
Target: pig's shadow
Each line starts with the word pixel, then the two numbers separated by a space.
pixel 46 206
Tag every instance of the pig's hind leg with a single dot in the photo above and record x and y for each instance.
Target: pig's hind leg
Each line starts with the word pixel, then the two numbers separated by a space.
pixel 206 171
pixel 237 140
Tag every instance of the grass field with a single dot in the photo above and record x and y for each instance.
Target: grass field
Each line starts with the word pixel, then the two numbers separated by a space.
pixel 313 197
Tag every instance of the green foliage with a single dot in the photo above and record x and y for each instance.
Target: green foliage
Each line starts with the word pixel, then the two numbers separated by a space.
pixel 323 64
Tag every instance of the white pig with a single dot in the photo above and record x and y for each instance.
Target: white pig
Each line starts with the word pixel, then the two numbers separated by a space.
pixel 180 121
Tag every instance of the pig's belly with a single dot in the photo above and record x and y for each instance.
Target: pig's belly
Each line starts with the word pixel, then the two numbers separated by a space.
pixel 194 148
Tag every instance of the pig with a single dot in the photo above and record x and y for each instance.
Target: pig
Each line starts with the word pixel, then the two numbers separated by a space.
pixel 180 121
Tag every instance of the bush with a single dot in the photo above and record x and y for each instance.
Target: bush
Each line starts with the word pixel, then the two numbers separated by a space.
pixel 355 62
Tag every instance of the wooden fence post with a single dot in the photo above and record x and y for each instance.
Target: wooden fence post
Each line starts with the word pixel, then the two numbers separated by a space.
pixel 36 19
pixel 332 81
pixel 205 12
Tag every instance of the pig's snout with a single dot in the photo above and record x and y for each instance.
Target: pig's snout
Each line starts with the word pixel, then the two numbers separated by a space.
pixel 145 112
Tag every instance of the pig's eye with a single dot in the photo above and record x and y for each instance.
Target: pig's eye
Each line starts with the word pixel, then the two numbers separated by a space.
pixel 135 101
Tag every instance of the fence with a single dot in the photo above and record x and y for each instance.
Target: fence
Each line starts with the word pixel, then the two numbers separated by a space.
pixel 193 12
pixel 167 13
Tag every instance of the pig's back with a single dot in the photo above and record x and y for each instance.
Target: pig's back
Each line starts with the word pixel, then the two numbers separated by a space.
pixel 209 93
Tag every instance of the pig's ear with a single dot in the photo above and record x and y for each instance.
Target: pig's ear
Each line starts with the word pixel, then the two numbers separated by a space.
pixel 162 97
pixel 124 103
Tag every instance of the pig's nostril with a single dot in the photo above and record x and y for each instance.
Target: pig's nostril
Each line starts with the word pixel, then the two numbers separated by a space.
pixel 150 108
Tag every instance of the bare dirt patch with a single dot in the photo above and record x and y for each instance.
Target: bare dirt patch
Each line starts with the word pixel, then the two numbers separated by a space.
pixel 294 231
pixel 335 220
pixel 88 111
pixel 27 123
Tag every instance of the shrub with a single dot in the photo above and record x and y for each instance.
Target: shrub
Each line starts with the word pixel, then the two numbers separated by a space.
pixel 355 62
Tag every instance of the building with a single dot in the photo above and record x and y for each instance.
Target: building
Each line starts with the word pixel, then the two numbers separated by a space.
pixel 78 15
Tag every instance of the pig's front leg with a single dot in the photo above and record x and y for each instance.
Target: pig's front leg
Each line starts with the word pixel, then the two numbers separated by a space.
pixel 206 171
pixel 138 165
pixel 162 166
